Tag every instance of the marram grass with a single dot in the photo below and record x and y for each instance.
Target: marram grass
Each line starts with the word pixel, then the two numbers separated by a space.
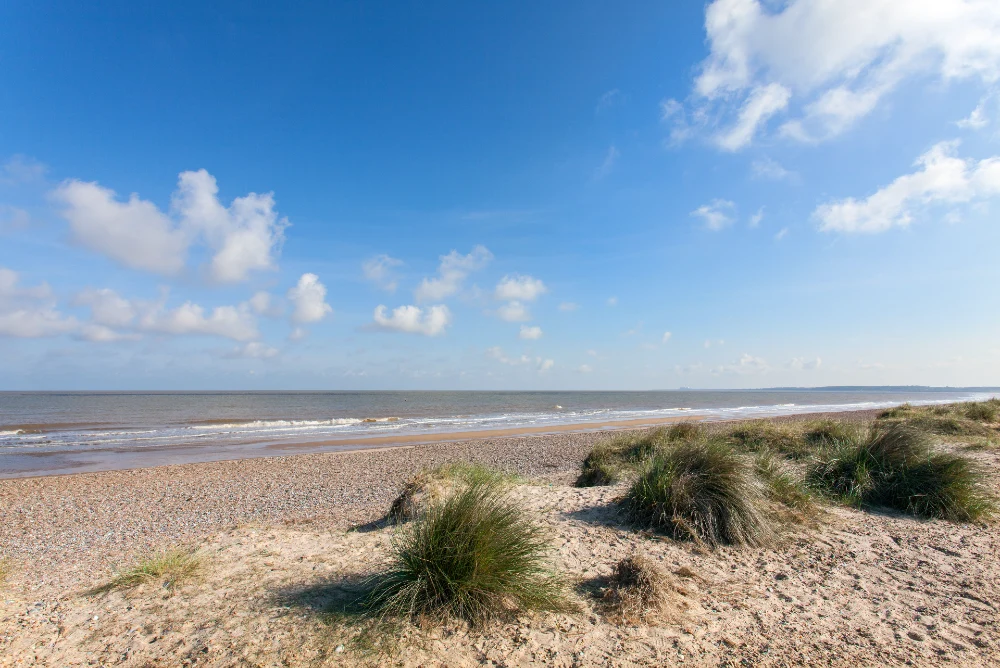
pixel 703 491
pixel 895 466
pixel 474 556
pixel 169 568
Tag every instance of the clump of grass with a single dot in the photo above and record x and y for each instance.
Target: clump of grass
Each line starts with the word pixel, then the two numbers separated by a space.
pixel 824 433
pixel 475 556
pixel 762 435
pixel 982 411
pixel 432 484
pixel 685 431
pixel 899 411
pixel 639 591
pixel 702 491
pixel 782 485
pixel 612 459
pixel 948 425
pixel 169 568
pixel 895 466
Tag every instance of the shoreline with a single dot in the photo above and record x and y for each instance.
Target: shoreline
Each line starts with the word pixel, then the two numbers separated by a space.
pixel 129 459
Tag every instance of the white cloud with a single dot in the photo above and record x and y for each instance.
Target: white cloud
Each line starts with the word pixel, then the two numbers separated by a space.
pixel 244 237
pixel 666 337
pixel 717 215
pixel 770 170
pixel 231 322
pixel 379 270
pixel 782 233
pixel 452 272
pixel 608 164
pixel 263 303
pixel 107 308
pixel 308 300
pixel 762 103
pixel 801 363
pixel 568 306
pixel 592 353
pixel 134 233
pixel 520 288
pixel 942 178
pixel 513 312
pixel 977 119
pixel 612 301
pixel 530 333
pixel 747 365
pixel 757 217
pixel 545 365
pixel 430 321
pixel 585 368
pixel 828 64
pixel 29 312
pixel 541 364
pixel 102 334
pixel 13 218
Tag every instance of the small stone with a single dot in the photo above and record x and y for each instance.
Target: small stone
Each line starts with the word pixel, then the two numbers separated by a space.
pixel 915 636
pixel 339 648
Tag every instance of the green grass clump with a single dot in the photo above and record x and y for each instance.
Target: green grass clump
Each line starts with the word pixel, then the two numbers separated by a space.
pixel 474 556
pixel 782 485
pixel 948 425
pixel 431 484
pixel 703 491
pixel 982 411
pixel 899 411
pixel 762 435
pixel 685 431
pixel 895 466
pixel 612 459
pixel 824 433
pixel 169 568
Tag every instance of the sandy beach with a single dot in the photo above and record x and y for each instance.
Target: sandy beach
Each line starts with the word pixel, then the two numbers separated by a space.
pixel 850 588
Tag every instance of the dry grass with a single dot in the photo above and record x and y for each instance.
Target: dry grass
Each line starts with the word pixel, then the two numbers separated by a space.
pixel 763 435
pixel 640 591
pixel 168 569
pixel 6 568
pixel 614 458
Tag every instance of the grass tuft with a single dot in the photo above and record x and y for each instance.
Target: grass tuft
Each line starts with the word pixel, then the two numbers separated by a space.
pixel 782 485
pixel 902 410
pixel 982 411
pixel 169 568
pixel 612 459
pixel 762 435
pixel 895 466
pixel 432 484
pixel 826 433
pixel 702 491
pixel 639 591
pixel 686 431
pixel 475 556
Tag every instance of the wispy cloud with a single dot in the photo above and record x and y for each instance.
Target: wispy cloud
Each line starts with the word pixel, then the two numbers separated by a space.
pixel 717 215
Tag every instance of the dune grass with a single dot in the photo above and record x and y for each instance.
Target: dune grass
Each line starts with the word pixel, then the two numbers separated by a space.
pixel 168 568
pixel 475 556
pixel 638 591
pixel 983 411
pixel 702 491
pixel 613 458
pixel 763 435
pixel 431 484
pixel 894 465
pixel 826 433
pixel 782 485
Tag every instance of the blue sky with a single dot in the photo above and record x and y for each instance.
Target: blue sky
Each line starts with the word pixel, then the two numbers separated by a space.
pixel 446 195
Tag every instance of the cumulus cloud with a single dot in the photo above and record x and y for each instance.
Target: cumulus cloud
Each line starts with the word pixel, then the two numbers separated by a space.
pixel 530 333
pixel 308 299
pixel 747 365
pixel 254 350
pixel 29 312
pixel 825 65
pixel 513 312
pixel 520 288
pixel 717 215
pixel 231 322
pixel 452 272
pixel 107 308
pixel 942 177
pixel 430 321
pixel 243 237
pixel 804 364
pixel 379 271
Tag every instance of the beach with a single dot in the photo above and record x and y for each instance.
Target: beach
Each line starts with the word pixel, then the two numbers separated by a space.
pixel 851 589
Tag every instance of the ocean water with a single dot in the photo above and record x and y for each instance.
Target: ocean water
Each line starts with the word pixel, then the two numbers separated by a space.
pixel 51 432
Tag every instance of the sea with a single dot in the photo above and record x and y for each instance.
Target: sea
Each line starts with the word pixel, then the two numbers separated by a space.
pixel 44 433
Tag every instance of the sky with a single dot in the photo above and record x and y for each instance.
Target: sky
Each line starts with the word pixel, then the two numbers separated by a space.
pixel 455 195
